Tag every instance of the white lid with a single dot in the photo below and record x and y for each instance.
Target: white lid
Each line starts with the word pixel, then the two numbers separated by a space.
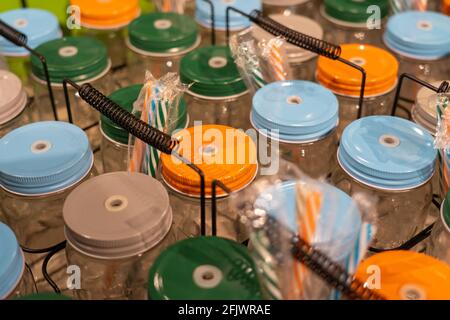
pixel 13 98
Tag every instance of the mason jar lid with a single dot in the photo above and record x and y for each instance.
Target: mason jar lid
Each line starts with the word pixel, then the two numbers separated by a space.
pixel 407 275
pixel 212 72
pixel 419 35
pixel 237 21
pixel 300 111
pixel 387 153
pixel 354 11
pixel 12 263
pixel 117 215
pixel 107 14
pixel 125 98
pixel 77 58
pixel 204 268
pixel 45 296
pixel 298 23
pixel 209 147
pixel 163 32
pixel 381 68
pixel 446 211
pixel 283 3
pixel 44 157
pixel 13 97
pixel 446 7
pixel 38 25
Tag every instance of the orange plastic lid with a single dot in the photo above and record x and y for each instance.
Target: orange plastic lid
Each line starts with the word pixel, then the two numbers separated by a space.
pixel 105 14
pixel 221 152
pixel 381 68
pixel 446 7
pixel 406 275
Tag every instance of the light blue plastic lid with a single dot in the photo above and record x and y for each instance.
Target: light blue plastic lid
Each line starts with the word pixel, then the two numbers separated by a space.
pixel 419 35
pixel 44 157
pixel 237 21
pixel 387 153
pixel 11 261
pixel 302 111
pixel 38 25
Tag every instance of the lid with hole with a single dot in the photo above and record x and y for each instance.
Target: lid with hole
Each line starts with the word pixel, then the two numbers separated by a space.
pixel 446 7
pixel 44 157
pixel 381 68
pixel 299 111
pixel 355 11
pixel 77 58
pixel 117 215
pixel 222 152
pixel 45 296
pixel 12 262
pixel 38 25
pixel 13 98
pixel 212 72
pixel 163 33
pixel 419 35
pixel 406 275
pixel 237 21
pixel 107 14
pixel 387 153
pixel 204 268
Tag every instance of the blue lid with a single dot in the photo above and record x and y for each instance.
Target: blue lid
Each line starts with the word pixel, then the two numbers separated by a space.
pixel 387 153
pixel 44 157
pixel 11 261
pixel 302 111
pixel 419 35
pixel 237 21
pixel 39 26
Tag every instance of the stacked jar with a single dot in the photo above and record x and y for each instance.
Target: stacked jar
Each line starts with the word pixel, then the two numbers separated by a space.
pixel 116 225
pixel 381 68
pixel 157 42
pixel 300 119
pixel 439 243
pixel 393 161
pixel 217 93
pixel 108 21
pixel 237 21
pixel 222 153
pixel 306 8
pixel 302 62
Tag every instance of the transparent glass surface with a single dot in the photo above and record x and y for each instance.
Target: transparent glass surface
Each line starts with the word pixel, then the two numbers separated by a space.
pixel 307 9
pixel 304 70
pixel 439 243
pixel 22 119
pixel 24 287
pixel 221 36
pixel 114 155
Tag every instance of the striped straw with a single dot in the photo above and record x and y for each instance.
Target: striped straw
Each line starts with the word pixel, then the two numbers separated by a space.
pixel 276 59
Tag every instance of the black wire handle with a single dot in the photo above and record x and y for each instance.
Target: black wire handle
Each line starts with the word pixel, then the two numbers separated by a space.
pixel 213 22
pixel 214 185
pixel 24 3
pixel 20 40
pixel 56 249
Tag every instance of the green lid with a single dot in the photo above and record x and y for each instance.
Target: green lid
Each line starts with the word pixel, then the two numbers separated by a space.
pixel 125 98
pixel 163 32
pixel 76 58
pixel 354 11
pixel 446 211
pixel 205 268
pixel 212 72
pixel 45 296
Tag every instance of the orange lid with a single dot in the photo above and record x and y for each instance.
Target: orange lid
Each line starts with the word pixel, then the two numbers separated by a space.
pixel 381 68
pixel 446 7
pixel 406 275
pixel 221 152
pixel 105 14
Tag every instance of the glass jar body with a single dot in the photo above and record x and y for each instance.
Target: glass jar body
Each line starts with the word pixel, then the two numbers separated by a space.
pixel 221 35
pixel 303 70
pixel 114 155
pixel 439 243
pixel 307 8
pixel 25 286
pixel 20 120
pixel 21 66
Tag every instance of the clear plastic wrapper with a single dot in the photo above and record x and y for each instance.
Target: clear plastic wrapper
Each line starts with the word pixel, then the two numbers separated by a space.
pixel 177 6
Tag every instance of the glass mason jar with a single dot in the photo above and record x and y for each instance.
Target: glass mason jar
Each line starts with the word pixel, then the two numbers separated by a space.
pixel 39 26
pixel 116 225
pixel 381 68
pixel 350 21
pixel 421 42
pixel 439 242
pixel 81 59
pixel 157 42
pixel 307 8
pixel 392 160
pixel 215 269
pixel 114 145
pixel 16 279
pixel 299 118
pixel 302 62
pixel 222 153
pixel 406 275
pixel 107 21
pixel 237 21
pixel 217 94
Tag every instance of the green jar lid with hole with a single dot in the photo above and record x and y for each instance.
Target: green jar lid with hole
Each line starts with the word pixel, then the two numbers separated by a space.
pixel 204 268
pixel 355 11
pixel 125 98
pixel 212 72
pixel 446 210
pixel 45 296
pixel 161 32
pixel 77 58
